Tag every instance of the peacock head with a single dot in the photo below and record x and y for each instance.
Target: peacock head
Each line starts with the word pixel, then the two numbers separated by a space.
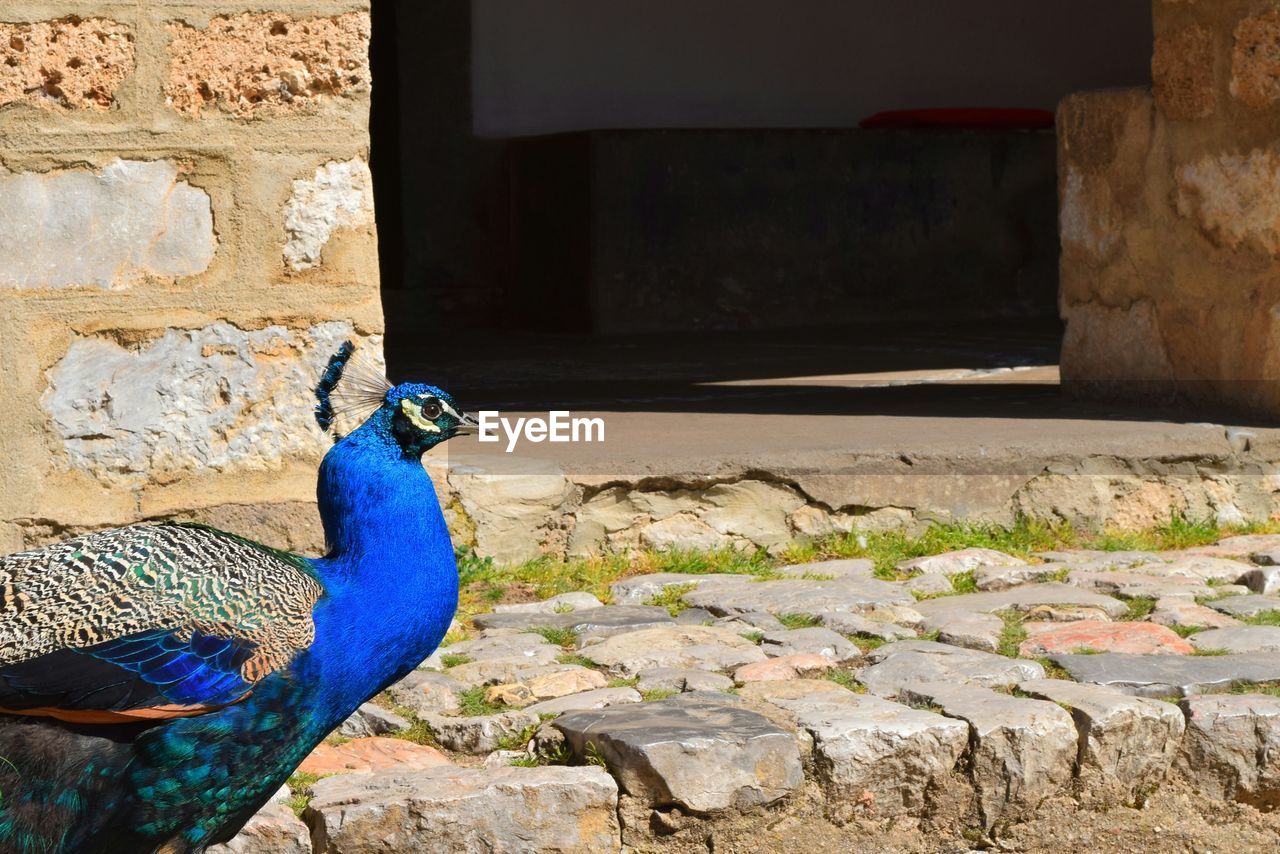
pixel 417 417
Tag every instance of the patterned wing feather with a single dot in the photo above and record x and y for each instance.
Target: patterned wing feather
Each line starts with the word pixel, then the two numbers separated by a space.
pixel 167 618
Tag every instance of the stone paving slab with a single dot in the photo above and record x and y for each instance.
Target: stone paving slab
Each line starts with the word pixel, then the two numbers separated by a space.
pixel 695 751
pixel 994 578
pixel 875 756
pixel 1232 747
pixel 1131 585
pixel 818 640
pixel 1021 751
pixel 1137 638
pixel 696 647
pixel 639 589
pixel 830 569
pixel 1023 599
pixel 954 563
pixel 1246 606
pixel 465 810
pixel 1239 639
pixel 796 596
pixel 600 698
pixel 1178 612
pixel 1170 675
pixel 1126 744
pixel 586 623
pixel 905 664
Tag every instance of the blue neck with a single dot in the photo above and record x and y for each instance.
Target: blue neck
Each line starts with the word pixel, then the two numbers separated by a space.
pixel 391 582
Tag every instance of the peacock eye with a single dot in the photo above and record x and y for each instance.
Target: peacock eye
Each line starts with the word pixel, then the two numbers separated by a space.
pixel 431 409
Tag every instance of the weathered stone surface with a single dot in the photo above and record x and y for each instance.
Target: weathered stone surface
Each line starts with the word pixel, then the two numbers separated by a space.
pixel 859 625
pixel 929 584
pixel 510 501
pixel 423 691
pixel 598 699
pixel 820 641
pixel 1255 60
pixel 501 659
pixel 253 63
pixel 1098 560
pixel 338 195
pixel 802 665
pixel 797 596
pixel 901 665
pixel 548 686
pixel 1239 639
pixel 562 604
pixel 72 62
pixel 1022 599
pixel 1137 638
pixel 1246 606
pixel 370 720
pixel 1127 744
pixel 1264 581
pixel 1243 545
pixel 1203 567
pixel 1182 70
pixel 479 733
pixel 953 563
pixel 1131 585
pixel 972 631
pixel 274 829
pixel 1170 675
pixel 1175 612
pixel 989 578
pixel 754 620
pixel 873 754
pixel 128 416
pixel 693 751
pixel 753 510
pixel 683 531
pixel 639 589
pixel 680 680
pixel 1232 747
pixel 830 569
pixel 697 647
pixel 371 754
pixel 792 689
pixel 588 624
pixel 468 811
pixel 695 617
pixel 108 228
pixel 1233 199
pixel 1021 751
pixel 515 694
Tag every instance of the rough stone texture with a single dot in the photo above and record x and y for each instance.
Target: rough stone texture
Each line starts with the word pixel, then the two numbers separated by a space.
pixel 681 680
pixel 548 686
pixel 972 631
pixel 1130 585
pixel 1182 70
pixel 562 604
pixel 693 751
pixel 340 195
pixel 248 64
pixel 481 733
pixel 828 569
pixel 371 754
pixel 796 596
pixel 991 578
pixel 1232 197
pixel 859 625
pixel 423 692
pixel 370 720
pixel 698 647
pixel 1137 638
pixel 600 698
pixel 190 401
pixel 1246 606
pixel 1239 639
pixel 904 664
pixel 72 62
pixel 1126 744
pixel 1022 599
pixel 1021 751
pixel 802 665
pixel 1175 612
pixel 1264 581
pixel 468 810
pixel 160 225
pixel 952 563
pixel 588 623
pixel 639 589
pixel 1255 60
pixel 274 829
pixel 819 641
pixel 875 756
pixel 1232 747
pixel 1170 675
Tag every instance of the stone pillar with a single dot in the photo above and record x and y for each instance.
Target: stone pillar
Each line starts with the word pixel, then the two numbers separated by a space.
pixel 1170 218
pixel 186 231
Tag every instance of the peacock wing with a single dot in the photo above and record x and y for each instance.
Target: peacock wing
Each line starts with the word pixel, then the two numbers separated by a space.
pixel 149 621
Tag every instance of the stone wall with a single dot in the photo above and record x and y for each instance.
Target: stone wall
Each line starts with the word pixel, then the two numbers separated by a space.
pixel 1170 217
pixel 186 232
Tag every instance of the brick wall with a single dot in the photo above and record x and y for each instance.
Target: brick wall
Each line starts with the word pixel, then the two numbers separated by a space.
pixel 186 231
pixel 1170 217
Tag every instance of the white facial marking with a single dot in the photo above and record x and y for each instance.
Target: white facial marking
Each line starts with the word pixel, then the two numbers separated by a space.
pixel 410 409
pixel 449 409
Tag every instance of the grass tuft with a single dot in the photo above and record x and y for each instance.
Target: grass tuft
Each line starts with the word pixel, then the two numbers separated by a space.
pixel 557 635
pixel 472 703
pixel 454 659
pixel 300 791
pixel 1140 607
pixel 799 621
pixel 672 598
pixel 1012 635
pixel 846 679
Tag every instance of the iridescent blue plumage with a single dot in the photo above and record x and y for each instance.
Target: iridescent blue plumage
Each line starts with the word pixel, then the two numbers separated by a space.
pixel 253 708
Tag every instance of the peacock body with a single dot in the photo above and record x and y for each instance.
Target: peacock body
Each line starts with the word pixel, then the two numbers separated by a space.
pixel 158 683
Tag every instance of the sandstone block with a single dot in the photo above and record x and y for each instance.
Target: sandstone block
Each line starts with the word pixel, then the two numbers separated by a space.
pixel 339 195
pixel 1182 71
pixel 1255 60
pixel 251 63
pixel 371 754
pixel 73 62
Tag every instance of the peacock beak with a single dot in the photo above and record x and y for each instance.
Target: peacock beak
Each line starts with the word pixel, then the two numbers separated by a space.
pixel 467 425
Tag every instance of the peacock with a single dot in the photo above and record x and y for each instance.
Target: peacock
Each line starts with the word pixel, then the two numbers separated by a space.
pixel 159 682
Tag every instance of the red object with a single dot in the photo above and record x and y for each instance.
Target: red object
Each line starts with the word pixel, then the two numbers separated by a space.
pixel 978 118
